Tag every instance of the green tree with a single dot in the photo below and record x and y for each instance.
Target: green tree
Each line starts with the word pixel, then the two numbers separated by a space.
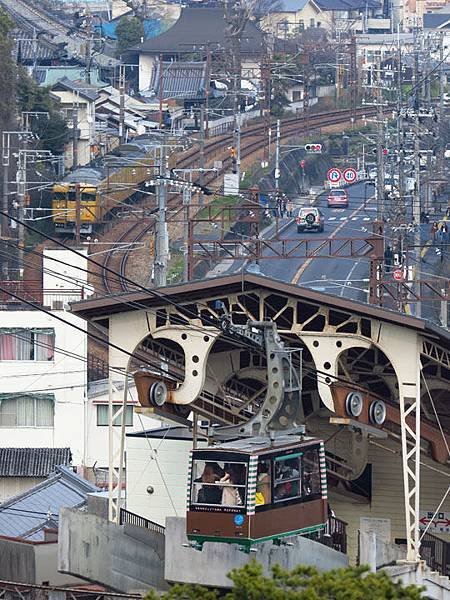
pixel 52 130
pixel 302 583
pixel 7 72
pixel 129 31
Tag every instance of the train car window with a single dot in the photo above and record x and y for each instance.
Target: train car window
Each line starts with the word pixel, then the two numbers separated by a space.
pixel 287 472
pixel 311 473
pixel 263 484
pixel 59 195
pixel 72 195
pixel 219 483
pixel 88 196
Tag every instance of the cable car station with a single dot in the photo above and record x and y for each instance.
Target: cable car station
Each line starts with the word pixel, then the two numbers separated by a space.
pixel 312 405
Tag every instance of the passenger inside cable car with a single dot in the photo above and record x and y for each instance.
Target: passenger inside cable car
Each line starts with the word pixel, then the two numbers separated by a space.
pixel 256 489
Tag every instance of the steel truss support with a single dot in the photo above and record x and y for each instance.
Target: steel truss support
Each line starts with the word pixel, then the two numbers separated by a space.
pixel 410 417
pixel 116 444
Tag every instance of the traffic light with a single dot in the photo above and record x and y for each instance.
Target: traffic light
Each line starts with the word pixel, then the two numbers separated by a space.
pixel 313 148
pixel 385 151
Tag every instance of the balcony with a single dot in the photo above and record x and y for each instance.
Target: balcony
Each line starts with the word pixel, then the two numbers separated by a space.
pixel 17 294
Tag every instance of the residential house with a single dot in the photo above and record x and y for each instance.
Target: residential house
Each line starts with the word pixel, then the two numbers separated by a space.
pixel 23 468
pixel 29 529
pixel 45 401
pixel 292 17
pixel 77 101
pixel 343 17
pixel 196 30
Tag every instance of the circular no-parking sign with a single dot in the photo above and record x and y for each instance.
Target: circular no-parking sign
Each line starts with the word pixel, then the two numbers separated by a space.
pixel 334 175
pixel 350 175
pixel 397 274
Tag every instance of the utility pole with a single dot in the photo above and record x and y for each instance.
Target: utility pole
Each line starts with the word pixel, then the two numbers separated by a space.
pixel 20 205
pixel 202 151
pixel 162 241
pixel 238 148
pixel 186 212
pixel 122 104
pixel 75 135
pixel 161 90
pixel 277 157
pixel 417 187
pixel 207 90
pixel 77 213
pixel 380 145
pixel 6 141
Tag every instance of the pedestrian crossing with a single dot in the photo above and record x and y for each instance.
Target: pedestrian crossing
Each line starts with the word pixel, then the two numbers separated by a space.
pixel 358 218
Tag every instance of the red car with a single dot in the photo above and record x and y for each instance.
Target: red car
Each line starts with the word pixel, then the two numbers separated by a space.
pixel 337 199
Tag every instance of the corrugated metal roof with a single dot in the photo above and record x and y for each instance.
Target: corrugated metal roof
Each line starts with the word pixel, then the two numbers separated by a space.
pixel 28 514
pixel 179 79
pixel 32 462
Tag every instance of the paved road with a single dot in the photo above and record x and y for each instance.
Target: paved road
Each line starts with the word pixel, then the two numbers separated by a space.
pixel 341 276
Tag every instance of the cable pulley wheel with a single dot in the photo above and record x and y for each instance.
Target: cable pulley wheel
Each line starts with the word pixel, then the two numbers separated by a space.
pixel 158 393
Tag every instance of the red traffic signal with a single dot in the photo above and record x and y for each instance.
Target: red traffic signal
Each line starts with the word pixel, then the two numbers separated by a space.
pixel 385 151
pixel 302 163
pixel 313 148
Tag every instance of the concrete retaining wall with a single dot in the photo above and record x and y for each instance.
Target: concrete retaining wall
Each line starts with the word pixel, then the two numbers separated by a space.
pixel 17 562
pixel 125 558
pixel 188 565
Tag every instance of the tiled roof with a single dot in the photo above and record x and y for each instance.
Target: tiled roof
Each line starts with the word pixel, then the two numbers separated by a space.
pixel 197 27
pixel 32 462
pixel 180 79
pixel 436 20
pixel 85 90
pixel 28 514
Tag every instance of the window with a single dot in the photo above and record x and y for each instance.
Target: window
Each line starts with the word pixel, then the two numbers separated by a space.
pixel 32 410
pixel 102 415
pixel 219 483
pixel 27 344
pixel 311 473
pixel 263 483
pixel 312 23
pixel 301 25
pixel 287 477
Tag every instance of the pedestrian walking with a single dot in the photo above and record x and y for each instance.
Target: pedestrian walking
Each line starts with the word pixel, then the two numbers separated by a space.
pixel 434 230
pixel 290 208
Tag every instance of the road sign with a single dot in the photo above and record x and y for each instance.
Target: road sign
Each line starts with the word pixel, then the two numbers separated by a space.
pixel 397 274
pixel 334 175
pixel 302 163
pixel 439 522
pixel 350 175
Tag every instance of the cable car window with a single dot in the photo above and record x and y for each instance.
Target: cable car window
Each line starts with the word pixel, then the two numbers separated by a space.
pixel 218 483
pixel 311 472
pixel 263 483
pixel 287 477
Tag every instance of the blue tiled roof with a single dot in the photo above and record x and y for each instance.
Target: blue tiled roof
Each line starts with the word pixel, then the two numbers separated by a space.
pixel 26 515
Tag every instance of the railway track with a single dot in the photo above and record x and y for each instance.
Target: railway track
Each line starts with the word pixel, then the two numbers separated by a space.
pixel 250 143
pixel 26 13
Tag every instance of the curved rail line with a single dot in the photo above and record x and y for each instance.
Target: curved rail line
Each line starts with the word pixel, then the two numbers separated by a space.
pixel 251 142
pixel 36 17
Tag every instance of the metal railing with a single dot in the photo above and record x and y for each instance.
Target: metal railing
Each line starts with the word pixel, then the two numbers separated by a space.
pixel 436 553
pixel 334 535
pixel 129 518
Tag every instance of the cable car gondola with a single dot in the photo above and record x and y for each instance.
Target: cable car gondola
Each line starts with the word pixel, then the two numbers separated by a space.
pixel 256 489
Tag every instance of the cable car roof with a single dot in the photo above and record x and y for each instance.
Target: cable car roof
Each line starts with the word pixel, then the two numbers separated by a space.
pixel 257 445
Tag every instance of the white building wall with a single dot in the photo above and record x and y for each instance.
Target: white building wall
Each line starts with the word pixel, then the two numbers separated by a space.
pixel 11 486
pixel 65 377
pixel 97 436
pixel 146 62
pixel 163 465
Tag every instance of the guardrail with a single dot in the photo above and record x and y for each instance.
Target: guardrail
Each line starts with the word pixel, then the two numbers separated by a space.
pixel 334 535
pixel 436 553
pixel 127 517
